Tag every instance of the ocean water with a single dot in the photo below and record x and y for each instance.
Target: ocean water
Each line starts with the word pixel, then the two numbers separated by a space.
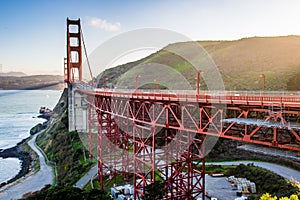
pixel 13 164
pixel 18 113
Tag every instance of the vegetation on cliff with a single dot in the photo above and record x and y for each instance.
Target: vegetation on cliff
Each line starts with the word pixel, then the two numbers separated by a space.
pixel 68 193
pixel 265 180
pixel 63 147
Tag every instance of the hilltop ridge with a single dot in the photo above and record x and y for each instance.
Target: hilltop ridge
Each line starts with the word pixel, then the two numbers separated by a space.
pixel 240 62
pixel 17 74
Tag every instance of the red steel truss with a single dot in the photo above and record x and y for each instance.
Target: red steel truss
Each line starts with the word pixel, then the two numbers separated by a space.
pixel 159 136
pixel 160 152
pixel 112 147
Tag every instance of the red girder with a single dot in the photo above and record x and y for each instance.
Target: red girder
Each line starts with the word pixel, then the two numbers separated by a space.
pixel 165 132
pixel 290 108
pixel 73 62
pixel 206 98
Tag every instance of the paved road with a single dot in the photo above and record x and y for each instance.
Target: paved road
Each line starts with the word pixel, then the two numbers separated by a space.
pixel 285 172
pixel 87 177
pixel 219 187
pixel 31 183
pixel 270 151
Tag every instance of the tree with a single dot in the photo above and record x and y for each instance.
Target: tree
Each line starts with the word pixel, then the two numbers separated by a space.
pixel 69 193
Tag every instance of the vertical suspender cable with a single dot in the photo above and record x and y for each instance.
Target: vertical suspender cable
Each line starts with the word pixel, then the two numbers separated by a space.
pixel 87 59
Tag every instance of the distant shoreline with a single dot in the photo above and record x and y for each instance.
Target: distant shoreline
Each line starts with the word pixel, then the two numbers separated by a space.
pixel 34 82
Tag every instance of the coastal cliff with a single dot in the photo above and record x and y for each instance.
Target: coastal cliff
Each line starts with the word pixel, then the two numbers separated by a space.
pixel 63 147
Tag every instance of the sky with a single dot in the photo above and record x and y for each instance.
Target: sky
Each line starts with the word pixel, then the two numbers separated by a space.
pixel 33 32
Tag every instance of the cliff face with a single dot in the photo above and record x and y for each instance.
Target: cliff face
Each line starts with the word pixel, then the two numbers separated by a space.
pixel 63 147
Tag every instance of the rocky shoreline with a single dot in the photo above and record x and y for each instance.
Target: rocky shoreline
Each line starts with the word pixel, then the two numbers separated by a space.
pixel 19 152
pixel 25 156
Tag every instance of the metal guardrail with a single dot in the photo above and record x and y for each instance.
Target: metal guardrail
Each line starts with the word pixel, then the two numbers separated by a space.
pixel 276 99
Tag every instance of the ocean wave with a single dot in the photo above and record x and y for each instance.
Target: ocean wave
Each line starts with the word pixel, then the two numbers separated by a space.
pixel 9 168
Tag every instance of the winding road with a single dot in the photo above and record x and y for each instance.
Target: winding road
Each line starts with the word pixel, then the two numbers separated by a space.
pixel 87 177
pixel 285 172
pixel 33 182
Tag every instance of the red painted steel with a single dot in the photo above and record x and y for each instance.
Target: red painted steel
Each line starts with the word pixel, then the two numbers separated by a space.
pixel 146 124
pixel 160 136
pixel 217 107
pixel 74 52
pixel 150 118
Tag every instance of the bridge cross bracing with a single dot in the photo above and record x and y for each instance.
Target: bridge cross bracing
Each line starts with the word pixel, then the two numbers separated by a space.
pixel 161 134
pixel 150 136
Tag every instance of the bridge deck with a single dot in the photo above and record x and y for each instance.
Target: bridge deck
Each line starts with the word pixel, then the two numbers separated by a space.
pixel 228 98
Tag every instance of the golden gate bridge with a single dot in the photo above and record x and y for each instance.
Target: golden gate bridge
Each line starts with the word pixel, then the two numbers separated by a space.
pixel 151 136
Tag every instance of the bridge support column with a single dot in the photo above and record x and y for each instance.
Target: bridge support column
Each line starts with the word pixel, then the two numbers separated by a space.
pixel 77 110
pixel 71 112
pixel 74 53
pixel 169 154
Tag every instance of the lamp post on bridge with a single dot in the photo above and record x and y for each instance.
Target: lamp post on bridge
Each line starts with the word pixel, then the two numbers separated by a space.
pixel 198 81
pixel 136 82
pixel 263 77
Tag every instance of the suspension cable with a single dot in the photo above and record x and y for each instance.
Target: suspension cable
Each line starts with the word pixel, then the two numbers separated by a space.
pixel 86 57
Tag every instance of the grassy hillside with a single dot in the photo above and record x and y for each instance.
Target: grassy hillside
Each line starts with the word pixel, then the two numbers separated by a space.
pixel 240 63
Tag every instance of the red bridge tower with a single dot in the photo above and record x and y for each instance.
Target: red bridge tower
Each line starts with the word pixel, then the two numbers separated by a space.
pixel 73 62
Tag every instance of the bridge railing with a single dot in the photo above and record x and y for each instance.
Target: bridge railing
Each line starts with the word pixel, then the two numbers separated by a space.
pixel 208 92
pixel 228 97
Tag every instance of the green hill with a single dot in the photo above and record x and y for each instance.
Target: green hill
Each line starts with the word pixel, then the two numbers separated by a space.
pixel 240 63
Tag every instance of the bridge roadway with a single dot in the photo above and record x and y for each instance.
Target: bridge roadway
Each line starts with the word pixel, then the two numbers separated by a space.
pixel 212 118
pixel 284 99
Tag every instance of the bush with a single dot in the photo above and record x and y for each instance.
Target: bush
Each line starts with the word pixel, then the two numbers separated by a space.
pixel 265 180
pixel 69 193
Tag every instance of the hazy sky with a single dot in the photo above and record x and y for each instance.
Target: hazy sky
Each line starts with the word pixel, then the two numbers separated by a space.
pixel 33 32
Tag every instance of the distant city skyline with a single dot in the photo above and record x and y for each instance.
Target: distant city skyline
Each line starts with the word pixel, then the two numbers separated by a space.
pixel 33 32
